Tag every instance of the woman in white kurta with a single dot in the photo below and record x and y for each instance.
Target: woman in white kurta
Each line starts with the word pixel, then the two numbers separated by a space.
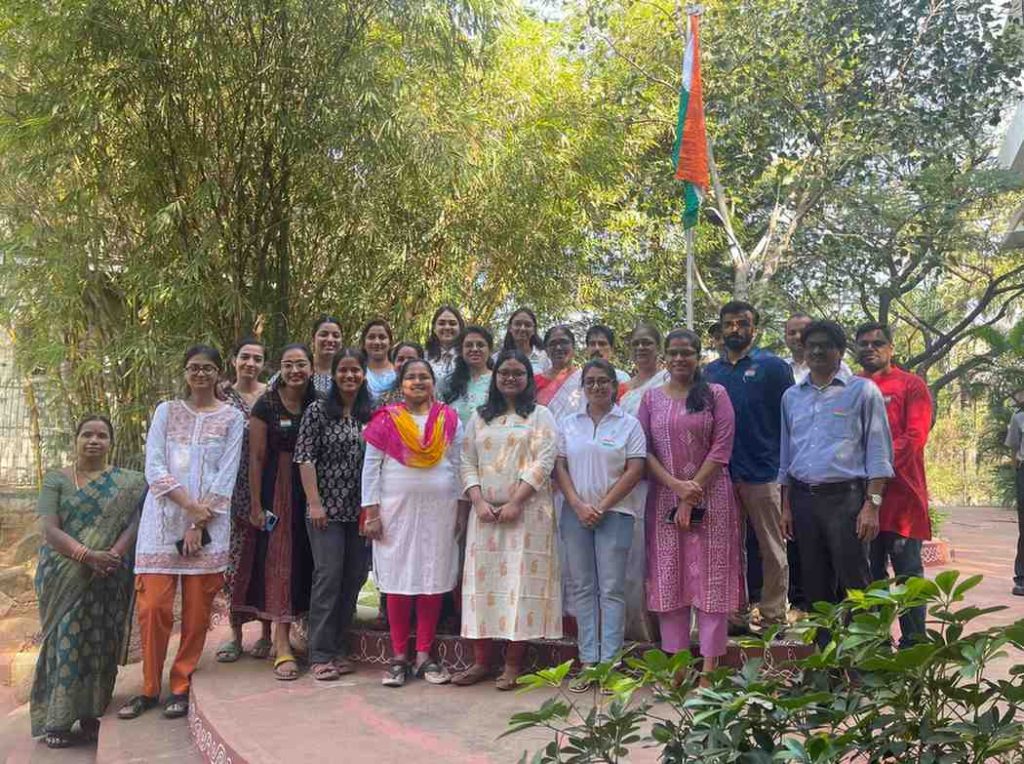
pixel 192 453
pixel 410 493
pixel 511 585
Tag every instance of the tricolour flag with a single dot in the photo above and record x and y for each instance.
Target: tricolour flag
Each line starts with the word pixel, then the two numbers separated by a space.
pixel 690 153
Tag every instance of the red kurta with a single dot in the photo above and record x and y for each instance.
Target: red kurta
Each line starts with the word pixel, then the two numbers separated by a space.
pixel 909 406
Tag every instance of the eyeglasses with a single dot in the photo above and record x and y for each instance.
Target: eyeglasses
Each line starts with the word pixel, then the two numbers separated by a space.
pixel 681 353
pixel 197 370
pixel 559 343
pixel 512 375
pixel 294 365
pixel 596 382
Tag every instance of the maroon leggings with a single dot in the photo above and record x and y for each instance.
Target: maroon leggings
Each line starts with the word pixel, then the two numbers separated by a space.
pixel 483 652
pixel 428 611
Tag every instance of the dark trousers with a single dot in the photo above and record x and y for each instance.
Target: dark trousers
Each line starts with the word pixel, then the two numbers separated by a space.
pixel 905 557
pixel 1018 564
pixel 832 558
pixel 796 581
pixel 755 573
pixel 341 563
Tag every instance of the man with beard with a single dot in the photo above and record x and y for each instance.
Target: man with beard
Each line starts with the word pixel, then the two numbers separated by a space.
pixel 835 459
pixel 903 520
pixel 756 380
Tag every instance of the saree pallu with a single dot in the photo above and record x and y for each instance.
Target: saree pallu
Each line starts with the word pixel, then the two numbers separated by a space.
pixel 83 616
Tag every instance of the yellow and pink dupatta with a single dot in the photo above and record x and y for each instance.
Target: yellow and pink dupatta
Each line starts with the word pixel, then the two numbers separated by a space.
pixel 393 430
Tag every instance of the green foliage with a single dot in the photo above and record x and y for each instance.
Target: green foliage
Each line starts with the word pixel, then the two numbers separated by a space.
pixel 856 699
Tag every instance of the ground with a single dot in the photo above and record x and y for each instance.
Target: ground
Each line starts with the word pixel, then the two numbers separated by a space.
pixel 363 721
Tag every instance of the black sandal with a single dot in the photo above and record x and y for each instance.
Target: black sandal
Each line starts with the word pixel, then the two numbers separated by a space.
pixel 136 706
pixel 176 707
pixel 58 739
pixel 90 729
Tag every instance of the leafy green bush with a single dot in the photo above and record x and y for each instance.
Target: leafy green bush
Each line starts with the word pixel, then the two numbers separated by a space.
pixel 856 699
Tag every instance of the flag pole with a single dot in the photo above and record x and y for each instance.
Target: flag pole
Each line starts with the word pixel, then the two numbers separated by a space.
pixel 688 233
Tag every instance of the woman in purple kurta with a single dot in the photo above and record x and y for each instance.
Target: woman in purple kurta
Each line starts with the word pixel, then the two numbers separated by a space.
pixel 693 559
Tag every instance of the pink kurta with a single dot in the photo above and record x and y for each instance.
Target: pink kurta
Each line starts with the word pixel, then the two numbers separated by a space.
pixel 701 567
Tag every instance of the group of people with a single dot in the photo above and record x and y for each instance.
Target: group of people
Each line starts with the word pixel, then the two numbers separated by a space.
pixel 514 485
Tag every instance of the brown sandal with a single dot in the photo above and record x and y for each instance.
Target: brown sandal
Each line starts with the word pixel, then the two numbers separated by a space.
pixel 344 666
pixel 324 672
pixel 472 675
pixel 507 679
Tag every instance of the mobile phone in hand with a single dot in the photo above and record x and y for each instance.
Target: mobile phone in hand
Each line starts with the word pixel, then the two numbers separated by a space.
pixel 270 521
pixel 696 514
pixel 204 539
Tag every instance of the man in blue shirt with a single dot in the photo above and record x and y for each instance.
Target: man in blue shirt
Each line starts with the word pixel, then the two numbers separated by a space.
pixel 756 380
pixel 834 462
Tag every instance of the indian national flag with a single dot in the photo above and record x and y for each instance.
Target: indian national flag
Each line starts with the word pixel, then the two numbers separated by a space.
pixel 690 153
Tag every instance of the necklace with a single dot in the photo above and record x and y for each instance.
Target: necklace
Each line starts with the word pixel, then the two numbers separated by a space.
pixel 90 476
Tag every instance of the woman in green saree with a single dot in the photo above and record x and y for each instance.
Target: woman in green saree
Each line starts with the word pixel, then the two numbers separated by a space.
pixel 89 517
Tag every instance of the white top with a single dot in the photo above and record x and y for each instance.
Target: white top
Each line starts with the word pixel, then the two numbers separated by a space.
pixel 596 455
pixel 1015 435
pixel 373 463
pixel 538 360
pixel 199 452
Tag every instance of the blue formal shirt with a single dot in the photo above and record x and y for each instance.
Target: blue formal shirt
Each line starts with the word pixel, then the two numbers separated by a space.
pixel 755 384
pixel 836 433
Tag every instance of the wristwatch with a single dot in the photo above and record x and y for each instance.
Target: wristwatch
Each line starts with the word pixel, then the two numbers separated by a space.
pixel 875 499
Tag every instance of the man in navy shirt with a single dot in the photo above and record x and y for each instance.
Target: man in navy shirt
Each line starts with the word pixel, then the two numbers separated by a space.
pixel 755 380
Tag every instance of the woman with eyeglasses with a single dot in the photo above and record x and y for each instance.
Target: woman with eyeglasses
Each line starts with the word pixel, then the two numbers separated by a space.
pixel 692 517
pixel 645 351
pixel 192 453
pixel 276 586
pixel 466 388
pixel 601 454
pixel 521 334
pixel 511 583
pixel 559 388
pixel 410 491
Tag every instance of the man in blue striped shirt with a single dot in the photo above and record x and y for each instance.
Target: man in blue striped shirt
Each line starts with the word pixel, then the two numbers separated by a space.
pixel 835 459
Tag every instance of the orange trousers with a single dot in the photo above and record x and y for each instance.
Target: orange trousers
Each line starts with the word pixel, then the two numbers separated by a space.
pixel 155 607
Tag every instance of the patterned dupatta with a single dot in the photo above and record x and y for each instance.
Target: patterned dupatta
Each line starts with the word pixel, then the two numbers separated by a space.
pixel 394 431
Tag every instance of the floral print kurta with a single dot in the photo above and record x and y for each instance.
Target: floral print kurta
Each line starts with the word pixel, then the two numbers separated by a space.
pixel 511 585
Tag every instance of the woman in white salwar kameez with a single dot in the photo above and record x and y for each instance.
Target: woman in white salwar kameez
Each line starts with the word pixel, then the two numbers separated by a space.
pixel 410 500
pixel 511 584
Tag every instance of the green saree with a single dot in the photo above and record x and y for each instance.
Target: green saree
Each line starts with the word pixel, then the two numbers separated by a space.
pixel 83 615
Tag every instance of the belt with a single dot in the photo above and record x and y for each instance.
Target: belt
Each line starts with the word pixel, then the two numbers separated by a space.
pixel 825 489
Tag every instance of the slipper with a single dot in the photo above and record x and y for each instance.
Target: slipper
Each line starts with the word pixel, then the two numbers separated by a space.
pixel 176 706
pixel 58 739
pixel 229 652
pixel 285 675
pixel 325 672
pixel 136 706
pixel 472 675
pixel 507 680
pixel 344 666
pixel 261 648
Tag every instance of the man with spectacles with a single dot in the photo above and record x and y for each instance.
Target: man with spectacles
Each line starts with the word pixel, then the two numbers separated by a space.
pixel 794 329
pixel 835 459
pixel 1015 442
pixel 756 380
pixel 903 519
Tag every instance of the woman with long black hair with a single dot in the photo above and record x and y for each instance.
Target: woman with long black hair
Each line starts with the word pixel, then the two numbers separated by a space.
pixel 441 349
pixel 466 389
pixel 522 334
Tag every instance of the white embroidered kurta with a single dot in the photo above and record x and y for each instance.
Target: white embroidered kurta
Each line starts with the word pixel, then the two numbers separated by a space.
pixel 511 584
pixel 418 552
pixel 199 452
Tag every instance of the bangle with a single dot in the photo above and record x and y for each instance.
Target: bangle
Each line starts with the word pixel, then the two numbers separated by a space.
pixel 79 554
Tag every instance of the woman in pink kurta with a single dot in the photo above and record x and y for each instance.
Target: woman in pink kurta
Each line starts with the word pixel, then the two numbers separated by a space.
pixel 692 517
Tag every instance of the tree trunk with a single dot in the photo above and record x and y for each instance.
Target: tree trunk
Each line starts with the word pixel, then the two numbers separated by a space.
pixel 741 282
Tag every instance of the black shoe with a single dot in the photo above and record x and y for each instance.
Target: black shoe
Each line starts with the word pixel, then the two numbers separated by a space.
pixel 1018 590
pixel 176 707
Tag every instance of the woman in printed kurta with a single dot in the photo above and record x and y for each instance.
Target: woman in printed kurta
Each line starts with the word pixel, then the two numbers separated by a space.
pixel 192 453
pixel 89 515
pixel 693 519
pixel 511 583
pixel 249 359
pixel 410 496
pixel 276 587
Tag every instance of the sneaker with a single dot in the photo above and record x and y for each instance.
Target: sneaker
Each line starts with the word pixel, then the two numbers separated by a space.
pixel 1018 590
pixel 581 683
pixel 433 672
pixel 398 671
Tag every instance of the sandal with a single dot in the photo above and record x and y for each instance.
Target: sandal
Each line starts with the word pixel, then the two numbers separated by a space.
pixel 261 648
pixel 507 679
pixel 90 729
pixel 344 666
pixel 325 672
pixel 433 672
pixel 286 675
pixel 398 671
pixel 176 707
pixel 58 739
pixel 136 706
pixel 580 683
pixel 229 652
pixel 475 673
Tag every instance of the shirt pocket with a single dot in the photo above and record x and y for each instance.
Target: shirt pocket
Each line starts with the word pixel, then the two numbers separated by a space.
pixel 839 424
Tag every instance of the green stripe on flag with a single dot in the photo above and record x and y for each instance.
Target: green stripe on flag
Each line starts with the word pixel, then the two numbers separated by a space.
pixel 684 101
pixel 691 207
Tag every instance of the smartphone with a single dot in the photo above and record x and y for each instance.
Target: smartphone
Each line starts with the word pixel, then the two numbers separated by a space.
pixel 696 515
pixel 270 521
pixel 203 541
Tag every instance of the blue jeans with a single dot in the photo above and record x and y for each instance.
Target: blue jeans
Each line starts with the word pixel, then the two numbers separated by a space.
pixel 904 555
pixel 595 567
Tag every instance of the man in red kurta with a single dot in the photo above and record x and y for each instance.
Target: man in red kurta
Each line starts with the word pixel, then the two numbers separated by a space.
pixel 903 520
